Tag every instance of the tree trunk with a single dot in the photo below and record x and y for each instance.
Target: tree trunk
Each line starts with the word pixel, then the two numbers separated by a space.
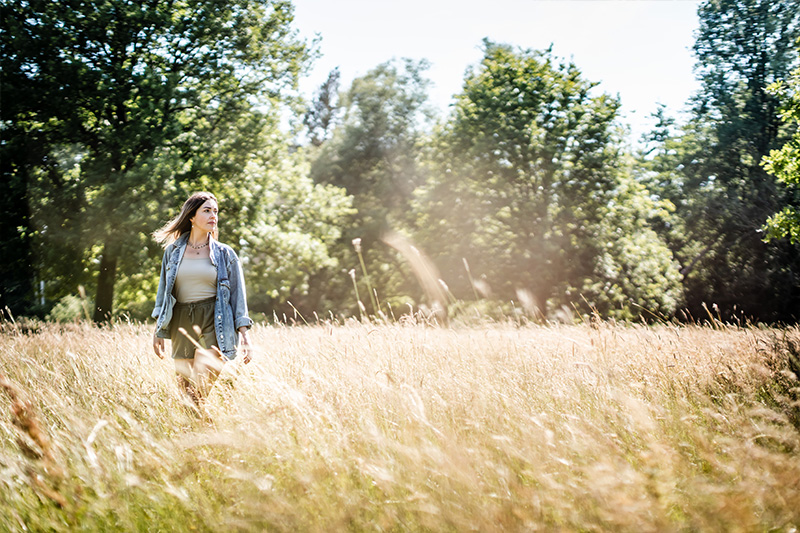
pixel 688 268
pixel 104 299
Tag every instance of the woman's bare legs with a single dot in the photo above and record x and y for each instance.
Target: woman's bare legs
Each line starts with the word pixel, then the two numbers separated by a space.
pixel 207 368
pixel 197 376
pixel 184 372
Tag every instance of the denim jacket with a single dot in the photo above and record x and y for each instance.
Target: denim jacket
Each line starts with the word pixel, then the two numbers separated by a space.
pixel 230 307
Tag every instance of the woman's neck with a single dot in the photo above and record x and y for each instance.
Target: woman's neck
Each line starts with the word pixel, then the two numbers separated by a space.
pixel 197 237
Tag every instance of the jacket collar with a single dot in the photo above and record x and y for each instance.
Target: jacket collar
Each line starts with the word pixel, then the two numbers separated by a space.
pixel 213 249
pixel 182 242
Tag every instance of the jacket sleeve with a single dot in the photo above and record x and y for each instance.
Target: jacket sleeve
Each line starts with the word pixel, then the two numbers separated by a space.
pixel 238 293
pixel 162 284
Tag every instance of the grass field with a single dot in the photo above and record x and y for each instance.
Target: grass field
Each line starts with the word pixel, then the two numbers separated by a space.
pixel 399 427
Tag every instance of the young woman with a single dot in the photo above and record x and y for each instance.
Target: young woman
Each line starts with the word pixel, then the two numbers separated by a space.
pixel 201 297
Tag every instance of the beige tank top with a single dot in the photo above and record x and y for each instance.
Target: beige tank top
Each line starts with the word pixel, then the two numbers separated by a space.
pixel 196 280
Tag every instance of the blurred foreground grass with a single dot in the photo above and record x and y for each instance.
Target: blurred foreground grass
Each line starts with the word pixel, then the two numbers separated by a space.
pixel 406 427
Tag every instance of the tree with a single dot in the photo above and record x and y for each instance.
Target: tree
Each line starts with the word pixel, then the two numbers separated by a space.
pixel 784 164
pixel 530 187
pixel 372 154
pixel 321 116
pixel 296 226
pixel 711 171
pixel 125 96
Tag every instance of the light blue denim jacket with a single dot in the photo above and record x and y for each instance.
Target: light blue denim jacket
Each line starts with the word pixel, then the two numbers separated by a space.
pixel 230 307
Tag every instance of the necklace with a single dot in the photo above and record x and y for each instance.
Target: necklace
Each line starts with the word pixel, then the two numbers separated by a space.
pixel 197 247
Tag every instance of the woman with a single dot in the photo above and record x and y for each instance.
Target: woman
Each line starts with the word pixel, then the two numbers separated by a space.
pixel 201 299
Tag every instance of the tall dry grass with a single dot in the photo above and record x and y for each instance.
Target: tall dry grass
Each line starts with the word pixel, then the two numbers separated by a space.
pixel 406 427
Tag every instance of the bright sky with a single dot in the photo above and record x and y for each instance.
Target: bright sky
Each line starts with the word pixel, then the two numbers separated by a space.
pixel 637 49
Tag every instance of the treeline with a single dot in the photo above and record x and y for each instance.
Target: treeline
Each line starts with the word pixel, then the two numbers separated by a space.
pixel 526 196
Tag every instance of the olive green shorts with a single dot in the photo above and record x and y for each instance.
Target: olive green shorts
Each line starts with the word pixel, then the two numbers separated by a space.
pixel 187 316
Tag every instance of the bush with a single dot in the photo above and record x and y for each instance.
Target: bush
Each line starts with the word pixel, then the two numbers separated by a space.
pixel 71 308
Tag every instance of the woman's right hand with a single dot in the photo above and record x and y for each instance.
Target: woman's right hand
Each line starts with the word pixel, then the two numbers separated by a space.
pixel 158 345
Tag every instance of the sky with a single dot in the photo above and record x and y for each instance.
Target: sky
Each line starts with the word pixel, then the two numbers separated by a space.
pixel 639 50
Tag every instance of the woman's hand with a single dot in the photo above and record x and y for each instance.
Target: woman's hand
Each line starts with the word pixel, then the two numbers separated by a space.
pixel 244 345
pixel 158 345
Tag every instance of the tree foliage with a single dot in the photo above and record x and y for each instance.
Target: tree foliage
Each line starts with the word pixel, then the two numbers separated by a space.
pixel 531 188
pixel 296 228
pixel 126 107
pixel 711 170
pixel 784 164
pixel 320 119
pixel 114 111
pixel 373 155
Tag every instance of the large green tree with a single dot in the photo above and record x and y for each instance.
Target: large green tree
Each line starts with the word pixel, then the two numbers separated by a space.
pixel 373 154
pixel 296 226
pixel 711 169
pixel 124 102
pixel 530 186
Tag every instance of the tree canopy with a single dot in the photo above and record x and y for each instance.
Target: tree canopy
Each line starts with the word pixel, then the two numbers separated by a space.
pixel 531 189
pixel 526 191
pixel 114 101
pixel 373 154
pixel 711 169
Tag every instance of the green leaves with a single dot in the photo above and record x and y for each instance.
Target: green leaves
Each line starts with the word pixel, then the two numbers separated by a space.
pixel 151 100
pixel 711 170
pixel 291 234
pixel 784 164
pixel 374 155
pixel 530 186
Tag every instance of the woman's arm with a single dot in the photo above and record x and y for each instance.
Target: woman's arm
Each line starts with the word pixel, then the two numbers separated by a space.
pixel 162 285
pixel 158 346
pixel 244 344
pixel 158 343
pixel 241 319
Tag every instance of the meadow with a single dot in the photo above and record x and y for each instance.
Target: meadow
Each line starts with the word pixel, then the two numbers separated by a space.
pixel 406 427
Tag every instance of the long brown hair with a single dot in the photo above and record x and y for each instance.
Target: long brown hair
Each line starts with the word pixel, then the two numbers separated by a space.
pixel 182 223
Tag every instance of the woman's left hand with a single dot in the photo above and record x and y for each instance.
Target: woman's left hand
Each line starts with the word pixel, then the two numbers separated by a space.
pixel 244 345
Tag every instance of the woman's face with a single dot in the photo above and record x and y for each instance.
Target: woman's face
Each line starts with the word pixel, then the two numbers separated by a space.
pixel 205 218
